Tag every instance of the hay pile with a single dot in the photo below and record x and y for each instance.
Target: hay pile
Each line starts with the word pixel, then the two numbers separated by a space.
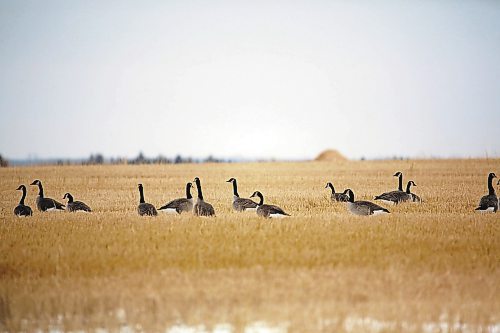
pixel 330 156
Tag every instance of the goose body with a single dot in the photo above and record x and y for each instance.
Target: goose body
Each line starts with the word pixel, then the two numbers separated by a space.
pixel 181 205
pixel 144 208
pixel 413 196
pixel 268 211
pixel 338 197
pixel 21 209
pixel 46 204
pixel 202 208
pixel 363 207
pixel 395 197
pixel 489 202
pixel 76 206
pixel 241 204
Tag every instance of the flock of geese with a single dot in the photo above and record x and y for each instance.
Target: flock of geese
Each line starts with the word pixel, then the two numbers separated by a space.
pixel 488 203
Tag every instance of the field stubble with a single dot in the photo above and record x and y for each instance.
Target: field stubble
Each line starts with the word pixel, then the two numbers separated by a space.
pixel 430 262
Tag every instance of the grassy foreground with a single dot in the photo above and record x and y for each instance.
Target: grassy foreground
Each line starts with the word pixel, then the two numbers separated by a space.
pixel 316 271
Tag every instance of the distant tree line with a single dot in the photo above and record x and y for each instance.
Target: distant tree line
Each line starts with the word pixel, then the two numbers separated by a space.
pixel 96 159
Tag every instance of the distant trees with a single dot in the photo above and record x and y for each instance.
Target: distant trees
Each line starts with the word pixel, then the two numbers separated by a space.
pixel 95 159
pixel 3 162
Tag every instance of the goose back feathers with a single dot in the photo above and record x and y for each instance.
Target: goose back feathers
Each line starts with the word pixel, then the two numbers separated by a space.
pixel 181 205
pixel 241 204
pixel 202 208
pixel 75 206
pixel 268 211
pixel 144 208
pixel 363 207
pixel 21 209
pixel 45 204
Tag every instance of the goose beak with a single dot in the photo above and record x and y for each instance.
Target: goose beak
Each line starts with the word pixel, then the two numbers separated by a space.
pixel 34 183
pixel 326 186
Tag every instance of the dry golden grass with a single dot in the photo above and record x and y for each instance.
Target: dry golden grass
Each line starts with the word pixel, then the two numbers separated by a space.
pixel 315 271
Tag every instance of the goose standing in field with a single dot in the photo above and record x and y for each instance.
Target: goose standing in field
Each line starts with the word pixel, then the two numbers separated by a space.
pixel 489 202
pixel 395 197
pixel 145 208
pixel 241 204
pixel 413 196
pixel 22 209
pixel 339 197
pixel 45 204
pixel 268 211
pixel 202 208
pixel 180 205
pixel 363 207
pixel 75 206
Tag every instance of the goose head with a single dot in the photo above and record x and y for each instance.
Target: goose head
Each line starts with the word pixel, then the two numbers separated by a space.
pixel 398 174
pixel 230 180
pixel 36 182
pixel 350 193
pixel 492 175
pixel 20 188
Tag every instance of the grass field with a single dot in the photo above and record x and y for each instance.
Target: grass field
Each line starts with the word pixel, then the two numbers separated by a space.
pixel 418 269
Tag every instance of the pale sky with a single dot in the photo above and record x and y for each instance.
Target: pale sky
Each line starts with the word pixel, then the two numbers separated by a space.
pixel 254 79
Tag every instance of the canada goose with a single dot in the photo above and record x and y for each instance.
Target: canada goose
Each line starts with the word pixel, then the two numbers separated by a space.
pixel 145 208
pixel 241 204
pixel 180 205
pixel 22 209
pixel 202 208
pixel 268 211
pixel 413 196
pixel 45 204
pixel 489 203
pixel 363 207
pixel 74 206
pixel 340 197
pixel 395 197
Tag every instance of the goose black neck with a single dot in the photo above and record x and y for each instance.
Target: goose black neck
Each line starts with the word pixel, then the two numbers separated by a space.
pixel 188 191
pixel 40 189
pixel 235 189
pixel 261 198
pixel 21 202
pixel 70 198
pixel 141 193
pixel 351 196
pixel 491 190
pixel 198 188
pixel 408 187
pixel 400 182
pixel 330 185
